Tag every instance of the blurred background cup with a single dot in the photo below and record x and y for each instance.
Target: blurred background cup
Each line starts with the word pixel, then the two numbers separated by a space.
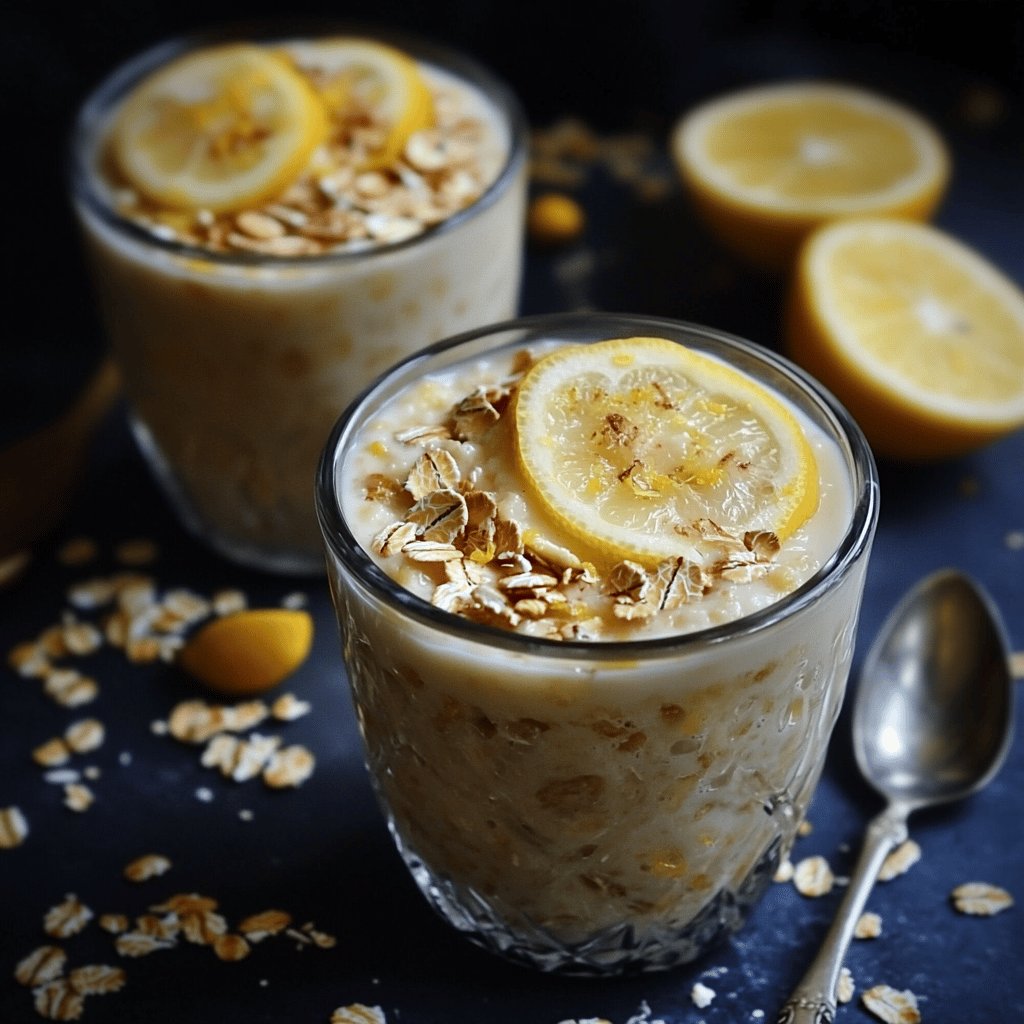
pixel 500 758
pixel 235 364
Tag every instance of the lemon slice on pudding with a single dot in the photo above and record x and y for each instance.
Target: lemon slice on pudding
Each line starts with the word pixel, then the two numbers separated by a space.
pixel 629 443
pixel 917 334
pixel 218 129
pixel 766 165
pixel 361 77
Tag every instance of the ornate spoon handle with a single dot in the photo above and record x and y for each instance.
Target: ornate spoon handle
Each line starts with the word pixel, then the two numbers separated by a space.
pixel 814 1000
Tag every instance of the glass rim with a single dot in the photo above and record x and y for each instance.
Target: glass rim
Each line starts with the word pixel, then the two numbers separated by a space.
pixel 113 88
pixel 341 543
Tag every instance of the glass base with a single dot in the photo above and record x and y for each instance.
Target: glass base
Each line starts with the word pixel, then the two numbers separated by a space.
pixel 618 950
pixel 290 562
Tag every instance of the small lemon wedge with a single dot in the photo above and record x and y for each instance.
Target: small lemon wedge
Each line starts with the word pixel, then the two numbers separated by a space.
pixel 627 443
pixel 916 333
pixel 249 651
pixel 362 75
pixel 218 129
pixel 768 164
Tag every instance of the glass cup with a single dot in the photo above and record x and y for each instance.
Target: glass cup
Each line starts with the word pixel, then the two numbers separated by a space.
pixel 593 807
pixel 235 364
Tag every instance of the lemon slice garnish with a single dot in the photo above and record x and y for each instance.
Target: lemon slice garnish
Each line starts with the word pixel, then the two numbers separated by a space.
pixel 629 443
pixel 767 164
pixel 218 129
pixel 360 75
pixel 917 334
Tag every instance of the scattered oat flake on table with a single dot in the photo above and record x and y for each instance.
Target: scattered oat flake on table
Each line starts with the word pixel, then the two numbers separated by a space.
pixel 139 551
pixel 40 966
pixel 57 1000
pixel 13 828
pixel 805 828
pixel 256 927
pixel 289 767
pixel 813 877
pixel 85 735
pixel 784 872
pixel 1014 540
pixel 701 995
pixel 114 923
pixel 97 979
pixel 901 860
pixel 231 947
pixel 981 899
pixel 51 754
pixel 136 944
pixel 358 1013
pixel 868 926
pixel 12 566
pixel 844 986
pixel 67 918
pixel 288 707
pixel 78 797
pixel 890 1005
pixel 149 865
pixel 77 551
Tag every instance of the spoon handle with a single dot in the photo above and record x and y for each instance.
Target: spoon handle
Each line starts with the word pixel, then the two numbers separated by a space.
pixel 814 1001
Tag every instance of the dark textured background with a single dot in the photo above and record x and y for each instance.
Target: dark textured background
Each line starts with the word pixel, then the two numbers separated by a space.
pixel 322 852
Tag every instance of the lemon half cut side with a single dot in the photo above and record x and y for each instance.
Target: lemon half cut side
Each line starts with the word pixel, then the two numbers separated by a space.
pixel 218 129
pixel 767 164
pixel 629 443
pixel 919 335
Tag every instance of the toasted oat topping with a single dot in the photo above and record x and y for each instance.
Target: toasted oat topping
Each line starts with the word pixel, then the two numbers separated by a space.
pixel 981 899
pixel 890 1005
pixel 334 205
pixel 51 754
pixel 259 926
pixel 97 979
pixel 485 569
pixel 813 877
pixel 900 861
pixel 135 944
pixel 288 707
pixel 231 947
pixel 290 766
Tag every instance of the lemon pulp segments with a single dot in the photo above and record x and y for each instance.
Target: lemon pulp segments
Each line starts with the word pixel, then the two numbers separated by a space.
pixel 627 443
pixel 917 334
pixel 218 129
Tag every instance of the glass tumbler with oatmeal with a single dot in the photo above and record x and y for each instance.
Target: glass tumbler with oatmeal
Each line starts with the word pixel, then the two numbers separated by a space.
pixel 273 222
pixel 597 580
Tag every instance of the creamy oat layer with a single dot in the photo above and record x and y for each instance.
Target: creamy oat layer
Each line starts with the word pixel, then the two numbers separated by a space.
pixel 433 489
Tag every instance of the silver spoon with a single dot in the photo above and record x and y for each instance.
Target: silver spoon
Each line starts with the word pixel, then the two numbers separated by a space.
pixel 932 723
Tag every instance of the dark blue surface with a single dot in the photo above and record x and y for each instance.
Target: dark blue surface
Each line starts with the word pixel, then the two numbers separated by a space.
pixel 322 852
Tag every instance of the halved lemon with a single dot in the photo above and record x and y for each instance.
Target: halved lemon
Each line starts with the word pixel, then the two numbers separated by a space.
pixel 218 129
pixel 916 333
pixel 766 165
pixel 628 443
pixel 362 75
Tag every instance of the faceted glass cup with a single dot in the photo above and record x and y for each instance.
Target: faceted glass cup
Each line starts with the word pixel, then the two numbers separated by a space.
pixel 595 807
pixel 235 364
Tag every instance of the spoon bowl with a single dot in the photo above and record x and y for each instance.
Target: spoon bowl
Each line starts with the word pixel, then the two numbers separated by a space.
pixel 933 710
pixel 932 723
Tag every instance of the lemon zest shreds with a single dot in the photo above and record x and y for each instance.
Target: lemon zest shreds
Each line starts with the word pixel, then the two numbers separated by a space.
pixel 629 443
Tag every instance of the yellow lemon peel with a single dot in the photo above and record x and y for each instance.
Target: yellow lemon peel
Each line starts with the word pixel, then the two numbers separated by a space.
pixel 249 651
